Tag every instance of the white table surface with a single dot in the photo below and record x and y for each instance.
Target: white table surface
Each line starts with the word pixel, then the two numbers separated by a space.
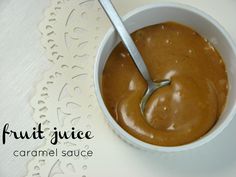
pixel 22 63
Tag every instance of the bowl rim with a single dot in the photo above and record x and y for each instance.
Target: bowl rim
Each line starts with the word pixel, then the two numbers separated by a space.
pixel 117 128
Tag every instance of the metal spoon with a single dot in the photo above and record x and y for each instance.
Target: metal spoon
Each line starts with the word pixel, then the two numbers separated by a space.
pixel 135 55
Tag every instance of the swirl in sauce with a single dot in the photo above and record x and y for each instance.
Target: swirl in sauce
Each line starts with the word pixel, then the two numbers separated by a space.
pixel 176 114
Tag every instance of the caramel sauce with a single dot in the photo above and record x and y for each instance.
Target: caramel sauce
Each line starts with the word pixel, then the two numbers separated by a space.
pixel 176 114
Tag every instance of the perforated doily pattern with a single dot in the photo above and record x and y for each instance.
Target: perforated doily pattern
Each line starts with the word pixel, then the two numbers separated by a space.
pixel 65 98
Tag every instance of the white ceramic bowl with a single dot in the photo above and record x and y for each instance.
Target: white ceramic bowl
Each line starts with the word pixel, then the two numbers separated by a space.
pixel 200 22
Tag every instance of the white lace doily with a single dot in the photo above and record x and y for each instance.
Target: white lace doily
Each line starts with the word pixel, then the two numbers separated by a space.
pixel 71 33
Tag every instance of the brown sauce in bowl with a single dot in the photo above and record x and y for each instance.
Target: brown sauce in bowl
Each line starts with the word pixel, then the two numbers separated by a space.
pixel 176 114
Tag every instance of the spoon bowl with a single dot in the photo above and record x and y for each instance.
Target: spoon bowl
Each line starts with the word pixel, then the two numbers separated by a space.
pixel 152 87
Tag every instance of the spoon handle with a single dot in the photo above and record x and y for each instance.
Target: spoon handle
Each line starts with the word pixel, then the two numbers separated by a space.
pixel 126 38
